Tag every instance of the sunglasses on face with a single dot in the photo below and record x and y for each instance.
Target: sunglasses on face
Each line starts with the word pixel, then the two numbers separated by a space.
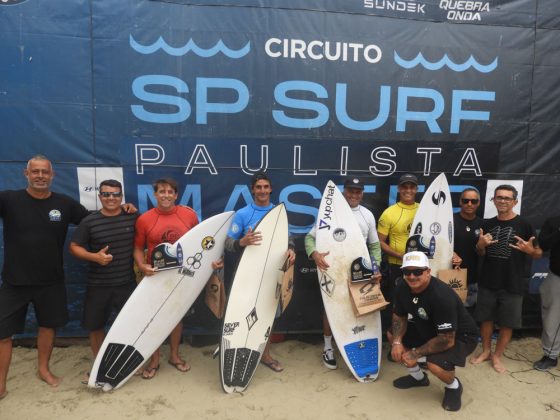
pixel 107 194
pixel 469 200
pixel 416 271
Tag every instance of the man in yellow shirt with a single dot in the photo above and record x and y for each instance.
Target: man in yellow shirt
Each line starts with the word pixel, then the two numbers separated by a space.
pixel 393 229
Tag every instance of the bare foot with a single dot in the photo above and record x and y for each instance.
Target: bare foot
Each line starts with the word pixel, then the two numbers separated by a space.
pixel 482 357
pixel 3 394
pixel 50 379
pixel 498 365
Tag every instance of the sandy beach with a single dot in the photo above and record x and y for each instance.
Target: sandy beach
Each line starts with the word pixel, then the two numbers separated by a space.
pixel 305 390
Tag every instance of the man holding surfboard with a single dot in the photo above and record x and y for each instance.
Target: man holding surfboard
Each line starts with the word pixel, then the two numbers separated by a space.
pixel 241 235
pixel 165 223
pixel 429 320
pixel 353 193
pixel 393 230
pixel 106 239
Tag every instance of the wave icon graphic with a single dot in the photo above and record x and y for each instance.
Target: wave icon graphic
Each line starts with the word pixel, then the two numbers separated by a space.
pixel 189 46
pixel 446 61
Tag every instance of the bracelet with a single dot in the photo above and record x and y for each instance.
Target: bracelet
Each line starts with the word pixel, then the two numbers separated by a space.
pixel 396 343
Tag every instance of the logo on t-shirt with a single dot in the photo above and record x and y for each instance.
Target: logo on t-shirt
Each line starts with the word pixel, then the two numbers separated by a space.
pixel 170 236
pixel 505 235
pixel 235 228
pixel 422 313
pixel 55 215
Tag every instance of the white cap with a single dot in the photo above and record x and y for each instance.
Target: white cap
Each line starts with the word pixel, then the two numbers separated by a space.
pixel 415 259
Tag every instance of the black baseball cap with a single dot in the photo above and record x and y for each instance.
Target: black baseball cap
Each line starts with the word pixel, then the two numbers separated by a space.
pixel 408 178
pixel 354 183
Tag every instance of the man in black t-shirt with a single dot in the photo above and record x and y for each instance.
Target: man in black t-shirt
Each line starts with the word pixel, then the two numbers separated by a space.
pixel 430 321
pixel 106 239
pixel 35 224
pixel 505 243
pixel 467 230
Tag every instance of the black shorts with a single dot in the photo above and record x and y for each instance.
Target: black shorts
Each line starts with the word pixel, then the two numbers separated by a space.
pixel 48 301
pixel 101 301
pixel 499 306
pixel 448 359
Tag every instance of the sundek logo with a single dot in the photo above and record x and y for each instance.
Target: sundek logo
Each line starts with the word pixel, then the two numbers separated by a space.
pixel 327 211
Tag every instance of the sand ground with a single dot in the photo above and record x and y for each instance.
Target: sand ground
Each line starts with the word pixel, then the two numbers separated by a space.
pixel 305 390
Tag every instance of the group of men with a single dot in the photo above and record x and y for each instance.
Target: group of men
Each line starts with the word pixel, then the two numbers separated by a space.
pixel 426 323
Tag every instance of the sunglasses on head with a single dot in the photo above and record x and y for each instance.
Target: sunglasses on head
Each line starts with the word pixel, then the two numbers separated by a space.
pixel 416 271
pixel 469 200
pixel 107 194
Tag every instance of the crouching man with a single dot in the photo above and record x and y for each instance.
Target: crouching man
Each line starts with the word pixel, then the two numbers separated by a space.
pixel 430 325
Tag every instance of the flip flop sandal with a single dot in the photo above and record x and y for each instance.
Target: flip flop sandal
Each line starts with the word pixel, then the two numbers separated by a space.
pixel 177 365
pixel 149 372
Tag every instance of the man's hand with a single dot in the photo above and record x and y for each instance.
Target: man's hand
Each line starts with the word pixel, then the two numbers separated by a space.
pixel 527 247
pixel 397 351
pixel 410 358
pixel 456 260
pixel 251 238
pixel 377 277
pixel 485 240
pixel 147 269
pixel 129 208
pixel 218 264
pixel 319 258
pixel 102 257
pixel 291 255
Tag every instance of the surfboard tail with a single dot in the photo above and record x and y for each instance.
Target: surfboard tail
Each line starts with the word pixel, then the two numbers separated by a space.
pixel 364 357
pixel 239 365
pixel 118 362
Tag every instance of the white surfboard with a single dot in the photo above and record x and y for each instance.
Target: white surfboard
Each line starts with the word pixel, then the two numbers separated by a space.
pixel 158 304
pixel 253 301
pixel 432 228
pixel 358 338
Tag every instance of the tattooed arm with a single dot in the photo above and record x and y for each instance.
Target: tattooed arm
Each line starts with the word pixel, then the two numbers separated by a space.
pixel 439 343
pixel 398 327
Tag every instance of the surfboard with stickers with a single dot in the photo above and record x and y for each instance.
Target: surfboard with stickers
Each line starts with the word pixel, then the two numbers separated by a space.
pixel 432 228
pixel 358 338
pixel 159 302
pixel 253 302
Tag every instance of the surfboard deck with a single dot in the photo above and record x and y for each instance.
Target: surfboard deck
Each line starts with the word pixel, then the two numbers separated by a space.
pixel 358 337
pixel 252 302
pixel 158 304
pixel 432 228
